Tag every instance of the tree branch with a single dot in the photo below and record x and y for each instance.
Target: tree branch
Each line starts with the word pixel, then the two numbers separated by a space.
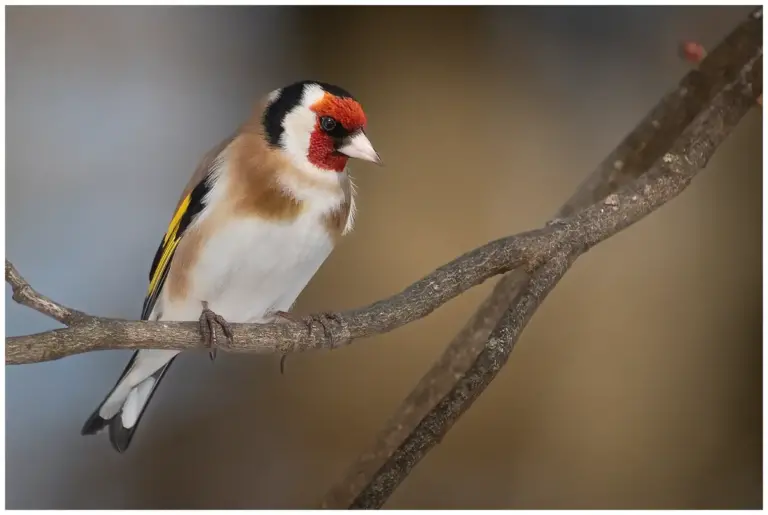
pixel 714 99
pixel 528 250
pixel 87 333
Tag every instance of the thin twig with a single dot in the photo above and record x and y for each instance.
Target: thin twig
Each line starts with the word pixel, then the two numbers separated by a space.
pixel 25 295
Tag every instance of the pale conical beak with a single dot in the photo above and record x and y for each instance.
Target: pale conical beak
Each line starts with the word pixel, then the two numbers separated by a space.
pixel 359 146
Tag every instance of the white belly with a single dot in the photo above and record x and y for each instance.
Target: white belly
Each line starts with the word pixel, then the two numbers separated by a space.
pixel 252 266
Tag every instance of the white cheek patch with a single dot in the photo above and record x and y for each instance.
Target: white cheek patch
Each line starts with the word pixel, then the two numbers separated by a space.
pixel 297 129
pixel 298 125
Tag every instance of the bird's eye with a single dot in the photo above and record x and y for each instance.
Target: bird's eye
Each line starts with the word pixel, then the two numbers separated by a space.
pixel 327 123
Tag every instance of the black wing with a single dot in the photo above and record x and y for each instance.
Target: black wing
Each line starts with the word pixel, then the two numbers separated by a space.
pixel 188 209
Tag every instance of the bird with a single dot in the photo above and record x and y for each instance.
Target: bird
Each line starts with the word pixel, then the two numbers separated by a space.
pixel 262 212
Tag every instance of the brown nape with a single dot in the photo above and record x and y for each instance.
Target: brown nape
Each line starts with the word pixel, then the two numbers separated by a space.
pixel 253 184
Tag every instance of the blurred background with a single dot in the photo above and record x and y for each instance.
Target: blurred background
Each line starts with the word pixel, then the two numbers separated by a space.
pixel 636 385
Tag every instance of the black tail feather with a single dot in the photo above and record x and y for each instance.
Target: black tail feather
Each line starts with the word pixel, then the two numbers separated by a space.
pixel 94 424
pixel 119 436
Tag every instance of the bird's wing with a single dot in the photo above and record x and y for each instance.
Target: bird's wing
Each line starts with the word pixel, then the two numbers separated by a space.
pixel 189 205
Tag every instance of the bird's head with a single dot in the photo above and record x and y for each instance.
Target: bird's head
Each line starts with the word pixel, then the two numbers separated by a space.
pixel 319 126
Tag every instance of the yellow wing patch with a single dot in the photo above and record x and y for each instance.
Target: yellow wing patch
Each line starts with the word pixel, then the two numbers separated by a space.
pixel 170 241
pixel 181 220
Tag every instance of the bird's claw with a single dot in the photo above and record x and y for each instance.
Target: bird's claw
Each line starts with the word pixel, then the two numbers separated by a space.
pixel 285 316
pixel 208 321
pixel 308 321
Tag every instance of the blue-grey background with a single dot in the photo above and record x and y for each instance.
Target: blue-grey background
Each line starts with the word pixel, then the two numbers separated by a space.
pixel 636 385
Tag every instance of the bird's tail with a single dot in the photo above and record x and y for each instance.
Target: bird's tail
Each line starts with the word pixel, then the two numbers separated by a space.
pixel 125 404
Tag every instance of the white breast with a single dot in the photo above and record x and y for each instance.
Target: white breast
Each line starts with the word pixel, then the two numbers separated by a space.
pixel 253 266
pixel 250 266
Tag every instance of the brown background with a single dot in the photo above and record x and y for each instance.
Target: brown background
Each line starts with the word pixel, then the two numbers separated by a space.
pixel 636 385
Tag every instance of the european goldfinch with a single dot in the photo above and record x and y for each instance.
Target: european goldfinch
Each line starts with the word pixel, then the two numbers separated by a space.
pixel 262 212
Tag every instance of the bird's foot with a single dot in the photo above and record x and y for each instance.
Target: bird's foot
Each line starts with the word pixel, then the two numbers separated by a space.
pixel 308 321
pixel 286 316
pixel 208 322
